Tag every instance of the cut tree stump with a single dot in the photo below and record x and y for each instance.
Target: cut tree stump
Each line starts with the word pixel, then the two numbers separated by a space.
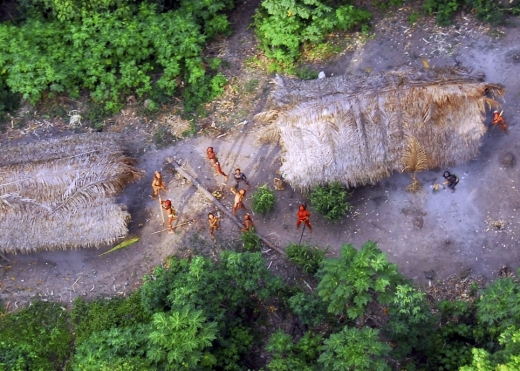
pixel 221 207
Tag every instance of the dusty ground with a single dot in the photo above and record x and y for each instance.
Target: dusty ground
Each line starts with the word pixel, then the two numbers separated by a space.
pixel 474 229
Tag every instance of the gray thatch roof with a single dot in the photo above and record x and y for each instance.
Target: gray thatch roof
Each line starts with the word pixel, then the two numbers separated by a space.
pixel 355 129
pixel 60 193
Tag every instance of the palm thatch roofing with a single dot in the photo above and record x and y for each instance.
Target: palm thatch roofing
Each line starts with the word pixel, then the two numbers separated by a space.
pixel 357 129
pixel 60 193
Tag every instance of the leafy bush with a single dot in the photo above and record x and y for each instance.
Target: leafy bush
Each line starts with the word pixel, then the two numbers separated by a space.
pixel 250 240
pixel 286 355
pixel 353 349
pixel 263 200
pixel 307 257
pixel 35 338
pixel 349 283
pixel 330 201
pixel 306 73
pixel 411 323
pixel 310 309
pixel 227 292
pixel 499 306
pixel 485 10
pixel 284 25
pixel 114 53
pixel 444 9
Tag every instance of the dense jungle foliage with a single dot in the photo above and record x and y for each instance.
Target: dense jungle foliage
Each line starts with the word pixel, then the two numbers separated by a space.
pixel 154 49
pixel 229 314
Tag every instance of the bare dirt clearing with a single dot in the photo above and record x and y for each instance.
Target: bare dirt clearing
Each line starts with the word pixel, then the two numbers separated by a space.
pixel 473 229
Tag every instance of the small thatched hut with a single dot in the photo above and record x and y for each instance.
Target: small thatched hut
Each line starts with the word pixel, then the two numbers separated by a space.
pixel 358 129
pixel 60 193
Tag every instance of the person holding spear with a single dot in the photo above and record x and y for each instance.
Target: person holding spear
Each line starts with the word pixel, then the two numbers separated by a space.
pixel 303 217
pixel 158 184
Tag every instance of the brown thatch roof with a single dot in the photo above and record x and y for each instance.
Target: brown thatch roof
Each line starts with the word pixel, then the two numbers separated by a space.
pixel 355 129
pixel 60 193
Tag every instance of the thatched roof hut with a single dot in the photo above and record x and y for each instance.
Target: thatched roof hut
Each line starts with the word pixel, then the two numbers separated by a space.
pixel 357 129
pixel 60 193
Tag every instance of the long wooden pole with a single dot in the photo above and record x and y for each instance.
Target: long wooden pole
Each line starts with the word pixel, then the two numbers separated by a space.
pixel 217 203
pixel 160 207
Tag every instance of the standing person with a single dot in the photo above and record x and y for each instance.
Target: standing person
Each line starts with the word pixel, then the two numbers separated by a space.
pixel 451 179
pixel 303 217
pixel 239 199
pixel 170 211
pixel 247 223
pixel 214 224
pixel 158 184
pixel 212 157
pixel 239 176
pixel 499 120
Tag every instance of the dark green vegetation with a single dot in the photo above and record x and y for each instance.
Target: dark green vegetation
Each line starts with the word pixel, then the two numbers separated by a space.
pixel 330 200
pixel 113 50
pixel 284 26
pixel 250 240
pixel 108 50
pixel 197 314
pixel 488 11
pixel 263 200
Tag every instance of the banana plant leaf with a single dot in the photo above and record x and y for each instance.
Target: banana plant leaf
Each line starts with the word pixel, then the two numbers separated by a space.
pixel 122 245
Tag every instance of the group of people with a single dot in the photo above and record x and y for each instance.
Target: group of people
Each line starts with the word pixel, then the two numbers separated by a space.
pixel 158 185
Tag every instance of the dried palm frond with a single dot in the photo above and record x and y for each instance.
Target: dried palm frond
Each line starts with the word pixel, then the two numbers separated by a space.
pixel 267 116
pixel 414 158
pixel 270 134
pixel 355 128
pixel 65 191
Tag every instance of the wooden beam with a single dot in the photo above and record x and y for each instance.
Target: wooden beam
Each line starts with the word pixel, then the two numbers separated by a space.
pixel 221 207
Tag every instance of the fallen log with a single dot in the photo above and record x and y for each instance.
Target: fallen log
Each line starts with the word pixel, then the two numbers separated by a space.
pixel 221 207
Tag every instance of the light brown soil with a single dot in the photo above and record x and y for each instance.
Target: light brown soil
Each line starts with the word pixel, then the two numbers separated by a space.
pixel 473 229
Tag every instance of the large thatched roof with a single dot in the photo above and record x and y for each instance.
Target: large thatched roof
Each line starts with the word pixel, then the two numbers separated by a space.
pixel 356 129
pixel 60 193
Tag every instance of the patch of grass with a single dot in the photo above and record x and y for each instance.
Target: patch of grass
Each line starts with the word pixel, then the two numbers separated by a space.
pixel 322 51
pixel 192 131
pixel 251 86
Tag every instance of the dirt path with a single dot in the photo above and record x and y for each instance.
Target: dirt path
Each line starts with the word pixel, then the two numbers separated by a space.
pixel 476 228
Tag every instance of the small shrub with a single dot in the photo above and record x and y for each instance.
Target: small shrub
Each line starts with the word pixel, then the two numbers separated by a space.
pixel 251 241
pixel 488 11
pixel 444 9
pixel 307 257
pixel 306 73
pixel 263 200
pixel 414 16
pixel 330 201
